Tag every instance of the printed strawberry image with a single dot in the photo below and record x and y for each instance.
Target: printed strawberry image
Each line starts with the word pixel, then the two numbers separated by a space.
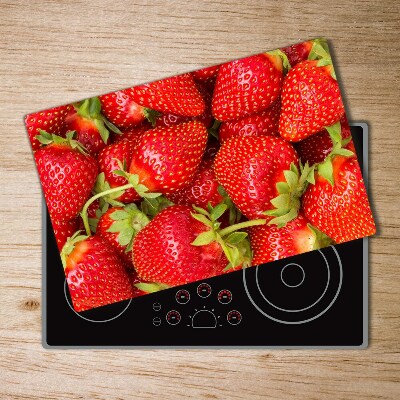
pixel 337 203
pixel 247 86
pixel 298 52
pixel 177 95
pixel 259 124
pixel 67 174
pixel 118 227
pixel 166 159
pixel 208 74
pixel 63 230
pixel 311 97
pixel 182 245
pixel 95 274
pixel 51 121
pixel 261 174
pixel 270 243
pixel 92 129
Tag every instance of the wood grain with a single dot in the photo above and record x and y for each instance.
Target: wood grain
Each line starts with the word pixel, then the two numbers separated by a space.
pixel 54 52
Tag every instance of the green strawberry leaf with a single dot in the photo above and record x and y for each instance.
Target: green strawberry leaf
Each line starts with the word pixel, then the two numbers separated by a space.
pixel 151 115
pixel 204 238
pixel 151 287
pixel 104 133
pixel 325 169
pixel 202 218
pixel 111 126
pixel 118 215
pixel 217 211
pixel 126 236
pixel 201 211
pixel 236 237
pixel 94 107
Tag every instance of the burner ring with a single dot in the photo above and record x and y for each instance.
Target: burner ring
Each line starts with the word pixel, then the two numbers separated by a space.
pixel 89 319
pixel 303 315
pixel 285 280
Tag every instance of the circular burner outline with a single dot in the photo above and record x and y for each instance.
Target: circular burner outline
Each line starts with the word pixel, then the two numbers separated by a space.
pixel 88 319
pixel 293 286
pixel 300 309
pixel 311 318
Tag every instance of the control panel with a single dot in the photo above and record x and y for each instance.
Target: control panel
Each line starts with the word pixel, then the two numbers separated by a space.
pixel 200 309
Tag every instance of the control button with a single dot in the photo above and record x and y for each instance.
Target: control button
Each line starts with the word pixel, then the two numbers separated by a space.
pixel 224 296
pixel 156 321
pixel 234 317
pixel 204 290
pixel 156 306
pixel 173 317
pixel 182 296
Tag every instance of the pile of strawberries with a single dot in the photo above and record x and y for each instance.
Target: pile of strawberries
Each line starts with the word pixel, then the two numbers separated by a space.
pixel 200 174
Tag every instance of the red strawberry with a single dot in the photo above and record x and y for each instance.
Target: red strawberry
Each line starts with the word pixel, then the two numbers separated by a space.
pixel 260 124
pixel 109 159
pixel 90 126
pixel 67 175
pixel 166 159
pixel 118 227
pixel 202 190
pixel 317 147
pixel 95 274
pixel 51 121
pixel 247 86
pixel 298 52
pixel 122 111
pixel 63 230
pixel 206 74
pixel 270 243
pixel 249 169
pixel 179 247
pixel 177 95
pixel 135 282
pixel 310 101
pixel 132 134
pixel 337 204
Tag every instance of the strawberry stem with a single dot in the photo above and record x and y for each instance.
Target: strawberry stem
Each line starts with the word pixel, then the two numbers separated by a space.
pixel 84 213
pixel 241 225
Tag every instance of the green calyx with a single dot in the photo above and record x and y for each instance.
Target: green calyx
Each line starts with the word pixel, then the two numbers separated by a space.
pixel 320 239
pixel 285 61
pixel 91 109
pixel 234 214
pixel 93 222
pixel 152 206
pixel 287 203
pixel 320 52
pixel 127 223
pixel 151 115
pixel 325 168
pixel 70 245
pixel 213 131
pixel 46 139
pixel 151 287
pixel 232 242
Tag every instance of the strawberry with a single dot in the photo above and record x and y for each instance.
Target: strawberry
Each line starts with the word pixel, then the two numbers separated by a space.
pixel 311 100
pixel 67 175
pixel 63 230
pixel 95 274
pixel 337 203
pixel 132 133
pixel 92 129
pixel 166 159
pixel 317 147
pixel 202 190
pixel 298 52
pixel 179 246
pixel 208 74
pixel 119 108
pixel 260 173
pixel 247 86
pixel 270 243
pixel 109 160
pixel 259 124
pixel 177 95
pixel 118 227
pixel 51 121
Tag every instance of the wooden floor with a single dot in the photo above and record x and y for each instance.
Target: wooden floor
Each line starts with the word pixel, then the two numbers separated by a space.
pixel 53 52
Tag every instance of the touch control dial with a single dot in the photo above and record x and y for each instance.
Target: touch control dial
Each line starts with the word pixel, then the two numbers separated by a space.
pixel 204 290
pixel 224 296
pixel 173 317
pixel 182 296
pixel 234 317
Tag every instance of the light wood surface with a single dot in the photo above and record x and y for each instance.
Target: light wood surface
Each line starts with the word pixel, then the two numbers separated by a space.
pixel 54 52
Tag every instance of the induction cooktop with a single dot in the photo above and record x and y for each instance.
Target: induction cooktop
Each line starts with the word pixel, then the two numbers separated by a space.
pixel 316 299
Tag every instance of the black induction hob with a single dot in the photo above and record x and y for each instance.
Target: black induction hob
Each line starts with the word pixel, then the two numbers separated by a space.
pixel 316 299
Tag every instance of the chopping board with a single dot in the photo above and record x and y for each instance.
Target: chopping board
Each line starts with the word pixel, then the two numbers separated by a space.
pixel 57 52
